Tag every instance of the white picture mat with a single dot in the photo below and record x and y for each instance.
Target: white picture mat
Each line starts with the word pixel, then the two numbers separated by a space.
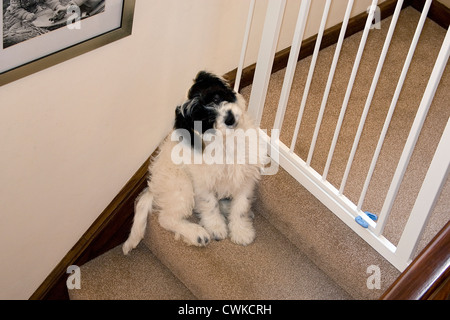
pixel 56 40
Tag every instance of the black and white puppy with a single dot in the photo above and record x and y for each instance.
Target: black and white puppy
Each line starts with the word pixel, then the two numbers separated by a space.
pixel 194 174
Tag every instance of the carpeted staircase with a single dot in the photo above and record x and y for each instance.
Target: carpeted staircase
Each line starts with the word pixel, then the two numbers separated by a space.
pixel 301 250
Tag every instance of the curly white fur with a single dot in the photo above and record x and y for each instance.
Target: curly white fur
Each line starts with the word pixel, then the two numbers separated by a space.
pixel 178 190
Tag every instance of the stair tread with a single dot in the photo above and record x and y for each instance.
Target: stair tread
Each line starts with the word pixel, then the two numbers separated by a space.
pixel 269 268
pixel 138 276
pixel 306 222
pixel 321 235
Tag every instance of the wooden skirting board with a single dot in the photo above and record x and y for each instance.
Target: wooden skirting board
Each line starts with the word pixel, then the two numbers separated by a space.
pixel 112 227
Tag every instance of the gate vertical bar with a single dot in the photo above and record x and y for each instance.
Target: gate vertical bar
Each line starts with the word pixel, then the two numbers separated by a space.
pixel 424 106
pixel 251 9
pixel 292 62
pixel 350 85
pixel 331 74
pixel 427 198
pixel 373 87
pixel 271 32
pixel 310 76
pixel 393 104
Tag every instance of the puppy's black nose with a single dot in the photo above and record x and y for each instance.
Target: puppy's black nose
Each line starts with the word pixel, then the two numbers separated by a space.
pixel 230 120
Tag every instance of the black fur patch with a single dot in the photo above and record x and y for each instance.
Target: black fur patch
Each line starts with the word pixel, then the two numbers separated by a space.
pixel 209 88
pixel 205 95
pixel 185 120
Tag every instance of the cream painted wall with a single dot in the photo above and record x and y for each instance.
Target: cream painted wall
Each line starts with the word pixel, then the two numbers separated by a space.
pixel 336 15
pixel 72 135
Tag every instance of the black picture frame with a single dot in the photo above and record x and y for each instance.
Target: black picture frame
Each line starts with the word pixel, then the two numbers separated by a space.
pixel 41 63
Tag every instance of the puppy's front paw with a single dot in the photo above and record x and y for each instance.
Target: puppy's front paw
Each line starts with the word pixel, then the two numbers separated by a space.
pixel 242 233
pixel 218 232
pixel 217 227
pixel 195 235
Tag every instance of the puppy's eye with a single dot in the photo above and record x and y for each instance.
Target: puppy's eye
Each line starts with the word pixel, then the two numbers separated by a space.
pixel 217 99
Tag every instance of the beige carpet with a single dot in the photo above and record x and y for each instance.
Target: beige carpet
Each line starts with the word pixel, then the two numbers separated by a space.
pixel 270 268
pixel 139 276
pixel 422 64
pixel 302 250
pixel 325 239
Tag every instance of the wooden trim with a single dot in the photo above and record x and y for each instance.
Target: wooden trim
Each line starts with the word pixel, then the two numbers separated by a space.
pixel 330 37
pixel 442 292
pixel 110 229
pixel 75 50
pixel 439 13
pixel 427 277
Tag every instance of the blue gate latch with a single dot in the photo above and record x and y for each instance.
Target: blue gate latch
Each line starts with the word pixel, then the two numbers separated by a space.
pixel 363 223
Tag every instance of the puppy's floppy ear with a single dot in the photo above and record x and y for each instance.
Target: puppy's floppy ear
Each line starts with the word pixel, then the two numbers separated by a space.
pixel 207 85
pixel 204 75
pixel 198 84
pixel 185 121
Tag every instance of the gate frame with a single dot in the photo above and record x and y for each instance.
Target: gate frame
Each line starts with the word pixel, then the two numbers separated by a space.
pixel 400 256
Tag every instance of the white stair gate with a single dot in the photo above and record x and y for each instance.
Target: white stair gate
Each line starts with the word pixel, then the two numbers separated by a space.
pixel 399 255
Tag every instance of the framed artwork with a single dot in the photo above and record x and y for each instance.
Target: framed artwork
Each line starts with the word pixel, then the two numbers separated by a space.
pixel 37 34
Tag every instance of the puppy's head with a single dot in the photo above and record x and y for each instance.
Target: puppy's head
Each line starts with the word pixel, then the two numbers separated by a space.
pixel 211 104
